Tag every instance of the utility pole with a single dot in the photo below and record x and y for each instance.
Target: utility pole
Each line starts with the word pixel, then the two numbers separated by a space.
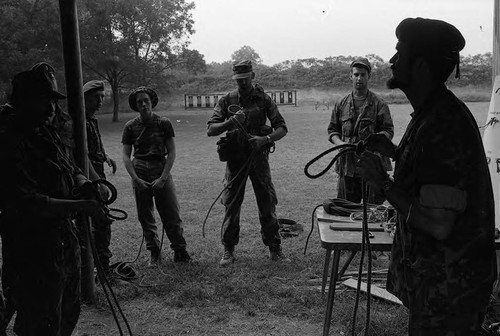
pixel 74 88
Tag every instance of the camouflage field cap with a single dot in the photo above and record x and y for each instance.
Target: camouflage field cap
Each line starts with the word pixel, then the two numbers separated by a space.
pixel 48 71
pixel 34 83
pixel 242 69
pixel 362 62
pixel 133 97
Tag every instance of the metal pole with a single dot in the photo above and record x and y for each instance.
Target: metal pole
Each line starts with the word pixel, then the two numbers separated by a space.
pixel 496 40
pixel 74 79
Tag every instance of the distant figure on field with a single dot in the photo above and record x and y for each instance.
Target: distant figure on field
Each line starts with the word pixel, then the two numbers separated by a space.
pixel 243 114
pixel 152 139
pixel 40 250
pixel 443 258
pixel 354 117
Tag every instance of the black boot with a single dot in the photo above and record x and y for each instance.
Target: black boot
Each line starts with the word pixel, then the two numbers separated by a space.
pixel 155 257
pixel 181 256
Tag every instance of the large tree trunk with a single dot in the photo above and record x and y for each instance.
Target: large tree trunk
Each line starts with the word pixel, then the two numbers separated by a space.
pixel 116 102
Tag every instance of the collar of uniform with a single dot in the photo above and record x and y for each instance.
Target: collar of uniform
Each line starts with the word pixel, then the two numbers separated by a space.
pixel 153 118
pixel 368 98
pixel 431 99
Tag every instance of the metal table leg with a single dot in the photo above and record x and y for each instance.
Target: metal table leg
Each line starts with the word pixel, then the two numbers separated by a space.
pixel 331 292
pixel 326 268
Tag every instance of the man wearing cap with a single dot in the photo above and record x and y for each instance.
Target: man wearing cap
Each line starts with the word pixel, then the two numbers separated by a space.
pixel 151 140
pixel 40 250
pixel 61 119
pixel 354 117
pixel 101 230
pixel 443 257
pixel 243 113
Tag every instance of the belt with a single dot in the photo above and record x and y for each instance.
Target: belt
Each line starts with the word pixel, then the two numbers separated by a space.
pixel 151 158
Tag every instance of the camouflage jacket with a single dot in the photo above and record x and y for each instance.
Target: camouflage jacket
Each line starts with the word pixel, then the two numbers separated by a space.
pixel 374 117
pixel 441 163
pixel 258 107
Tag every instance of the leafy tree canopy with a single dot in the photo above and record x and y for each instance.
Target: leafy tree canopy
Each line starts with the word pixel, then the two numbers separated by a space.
pixel 246 53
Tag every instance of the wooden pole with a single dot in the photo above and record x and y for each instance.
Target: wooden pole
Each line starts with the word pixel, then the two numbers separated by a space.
pixel 74 88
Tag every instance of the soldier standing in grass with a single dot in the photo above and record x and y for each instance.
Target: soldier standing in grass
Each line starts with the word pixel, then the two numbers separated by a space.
pixel 40 250
pixel 152 139
pixel 443 257
pixel 250 159
pixel 354 117
pixel 101 230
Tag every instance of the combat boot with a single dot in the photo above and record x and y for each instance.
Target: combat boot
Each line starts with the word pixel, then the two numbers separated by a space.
pixel 228 256
pixel 276 254
pixel 181 256
pixel 155 257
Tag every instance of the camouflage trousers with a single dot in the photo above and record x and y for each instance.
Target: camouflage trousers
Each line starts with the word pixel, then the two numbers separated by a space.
pixel 41 278
pixel 447 309
pixel 265 194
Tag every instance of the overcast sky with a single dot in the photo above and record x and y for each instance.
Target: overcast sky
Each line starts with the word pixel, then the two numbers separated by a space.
pixel 282 30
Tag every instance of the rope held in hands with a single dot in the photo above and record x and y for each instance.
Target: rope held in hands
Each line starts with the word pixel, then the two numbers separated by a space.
pixel 365 240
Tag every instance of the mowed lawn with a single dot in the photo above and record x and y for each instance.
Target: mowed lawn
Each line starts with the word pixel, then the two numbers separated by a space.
pixel 254 296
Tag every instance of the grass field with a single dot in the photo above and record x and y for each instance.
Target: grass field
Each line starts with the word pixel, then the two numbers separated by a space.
pixel 254 296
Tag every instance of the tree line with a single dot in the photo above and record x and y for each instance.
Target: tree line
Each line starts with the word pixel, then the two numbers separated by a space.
pixel 328 73
pixel 129 43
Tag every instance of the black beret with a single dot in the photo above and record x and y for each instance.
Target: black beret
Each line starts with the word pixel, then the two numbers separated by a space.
pixel 132 97
pixel 242 69
pixel 93 85
pixel 430 36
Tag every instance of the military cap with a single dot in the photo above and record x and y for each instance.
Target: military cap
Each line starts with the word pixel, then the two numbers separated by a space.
pixel 430 37
pixel 133 95
pixel 34 83
pixel 93 85
pixel 47 70
pixel 362 62
pixel 242 69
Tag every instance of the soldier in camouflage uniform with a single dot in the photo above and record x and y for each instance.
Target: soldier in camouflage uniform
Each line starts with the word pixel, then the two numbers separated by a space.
pixel 354 117
pixel 443 264
pixel 41 256
pixel 248 129
pixel 101 230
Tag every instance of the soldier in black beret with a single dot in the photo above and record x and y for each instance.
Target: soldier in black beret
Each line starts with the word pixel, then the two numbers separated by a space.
pixel 243 113
pixel 443 258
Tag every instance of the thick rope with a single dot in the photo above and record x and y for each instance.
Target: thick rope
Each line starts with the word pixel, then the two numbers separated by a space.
pixel 365 240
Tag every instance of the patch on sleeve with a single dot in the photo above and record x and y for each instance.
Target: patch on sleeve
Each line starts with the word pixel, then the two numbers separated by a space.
pixel 439 196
